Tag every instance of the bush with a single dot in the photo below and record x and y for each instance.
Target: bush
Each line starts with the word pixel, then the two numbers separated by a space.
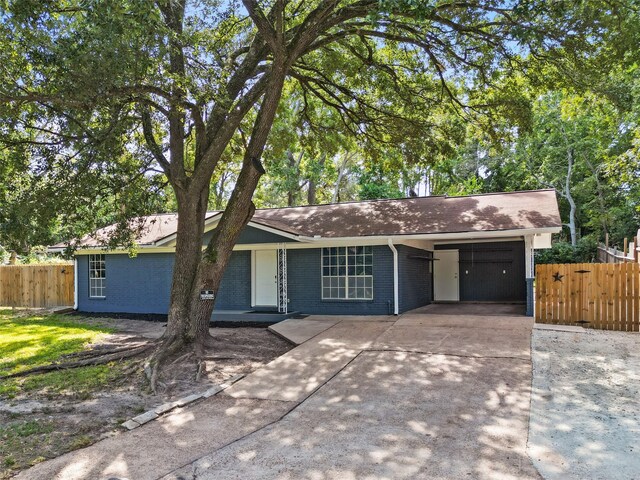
pixel 586 251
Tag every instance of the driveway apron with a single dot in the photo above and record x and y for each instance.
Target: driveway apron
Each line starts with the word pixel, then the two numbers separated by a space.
pixel 431 396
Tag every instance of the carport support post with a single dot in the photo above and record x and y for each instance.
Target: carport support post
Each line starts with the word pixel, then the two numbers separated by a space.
pixel 396 307
pixel 529 272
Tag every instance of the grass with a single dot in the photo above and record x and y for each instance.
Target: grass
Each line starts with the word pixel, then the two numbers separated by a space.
pixel 19 437
pixel 32 341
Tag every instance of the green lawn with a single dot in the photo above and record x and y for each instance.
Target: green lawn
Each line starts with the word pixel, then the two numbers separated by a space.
pixel 28 341
pixel 31 341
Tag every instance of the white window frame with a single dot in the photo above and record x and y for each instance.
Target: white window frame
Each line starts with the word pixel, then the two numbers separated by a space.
pixel 97 276
pixel 351 285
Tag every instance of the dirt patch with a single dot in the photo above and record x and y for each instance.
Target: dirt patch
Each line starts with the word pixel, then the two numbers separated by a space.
pixel 39 425
pixel 585 409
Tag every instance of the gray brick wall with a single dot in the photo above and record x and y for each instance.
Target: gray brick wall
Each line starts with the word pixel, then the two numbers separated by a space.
pixel 252 235
pixel 142 284
pixel 415 281
pixel 305 278
pixel 492 271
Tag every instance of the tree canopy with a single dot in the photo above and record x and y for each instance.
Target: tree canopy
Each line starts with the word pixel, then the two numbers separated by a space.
pixel 164 101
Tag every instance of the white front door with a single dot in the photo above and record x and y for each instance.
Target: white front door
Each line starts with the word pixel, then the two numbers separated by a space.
pixel 266 278
pixel 445 276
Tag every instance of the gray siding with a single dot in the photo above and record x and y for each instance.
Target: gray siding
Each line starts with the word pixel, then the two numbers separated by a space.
pixel 252 235
pixel 134 285
pixel 415 277
pixel 235 289
pixel 142 284
pixel 491 271
pixel 305 277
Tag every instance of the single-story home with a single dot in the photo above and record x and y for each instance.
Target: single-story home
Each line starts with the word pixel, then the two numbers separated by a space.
pixel 368 257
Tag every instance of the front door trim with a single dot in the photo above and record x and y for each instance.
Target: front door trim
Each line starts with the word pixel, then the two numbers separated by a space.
pixel 446 276
pixel 255 271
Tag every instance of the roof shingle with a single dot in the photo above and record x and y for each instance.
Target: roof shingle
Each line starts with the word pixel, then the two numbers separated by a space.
pixel 407 216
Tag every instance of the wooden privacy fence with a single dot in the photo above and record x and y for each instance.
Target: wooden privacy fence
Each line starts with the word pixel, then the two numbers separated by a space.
pixel 596 295
pixel 36 285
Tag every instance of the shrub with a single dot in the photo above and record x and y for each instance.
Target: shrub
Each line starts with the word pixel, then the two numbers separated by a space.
pixel 585 251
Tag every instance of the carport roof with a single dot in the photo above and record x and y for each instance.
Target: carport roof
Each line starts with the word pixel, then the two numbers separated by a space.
pixel 534 209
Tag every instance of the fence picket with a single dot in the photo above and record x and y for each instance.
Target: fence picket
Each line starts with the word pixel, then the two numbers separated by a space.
pixel 36 285
pixel 604 296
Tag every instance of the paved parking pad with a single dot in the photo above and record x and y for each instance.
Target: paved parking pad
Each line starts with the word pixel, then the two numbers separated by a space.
pixel 479 336
pixel 415 397
pixel 394 415
pixel 297 373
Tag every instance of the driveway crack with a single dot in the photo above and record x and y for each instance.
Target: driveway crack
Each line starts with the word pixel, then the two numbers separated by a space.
pixel 421 352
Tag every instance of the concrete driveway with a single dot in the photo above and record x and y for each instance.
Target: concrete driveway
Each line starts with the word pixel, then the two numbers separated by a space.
pixel 417 396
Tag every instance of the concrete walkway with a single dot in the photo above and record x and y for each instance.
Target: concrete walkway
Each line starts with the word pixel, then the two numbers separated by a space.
pixel 410 397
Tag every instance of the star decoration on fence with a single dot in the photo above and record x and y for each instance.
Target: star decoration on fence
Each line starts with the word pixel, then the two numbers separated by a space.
pixel 557 277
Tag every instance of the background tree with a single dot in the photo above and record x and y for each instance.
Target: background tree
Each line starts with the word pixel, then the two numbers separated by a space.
pixel 96 80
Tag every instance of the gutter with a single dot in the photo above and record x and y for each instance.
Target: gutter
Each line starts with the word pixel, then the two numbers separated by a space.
pixel 75 283
pixel 396 307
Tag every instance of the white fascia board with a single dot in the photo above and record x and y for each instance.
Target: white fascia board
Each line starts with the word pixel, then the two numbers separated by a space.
pixel 169 240
pixel 319 242
pixel 434 237
pixel 123 251
pixel 213 222
pixel 275 231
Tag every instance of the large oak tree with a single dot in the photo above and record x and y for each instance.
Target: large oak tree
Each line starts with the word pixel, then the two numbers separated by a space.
pixel 93 78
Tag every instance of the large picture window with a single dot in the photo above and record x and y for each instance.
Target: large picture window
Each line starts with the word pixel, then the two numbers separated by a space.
pixel 347 273
pixel 97 276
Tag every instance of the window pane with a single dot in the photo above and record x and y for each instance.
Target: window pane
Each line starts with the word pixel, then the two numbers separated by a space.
pixel 347 272
pixel 97 276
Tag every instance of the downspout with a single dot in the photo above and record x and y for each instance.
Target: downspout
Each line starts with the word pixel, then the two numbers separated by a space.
pixel 529 273
pixel 75 282
pixel 396 308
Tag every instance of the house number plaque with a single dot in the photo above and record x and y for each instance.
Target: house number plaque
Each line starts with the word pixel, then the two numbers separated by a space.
pixel 207 295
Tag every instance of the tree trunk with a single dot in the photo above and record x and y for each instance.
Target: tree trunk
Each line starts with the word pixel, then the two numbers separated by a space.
pixel 191 216
pixel 601 200
pixel 569 197
pixel 237 214
pixel 312 189
pixel 293 173
pixel 342 169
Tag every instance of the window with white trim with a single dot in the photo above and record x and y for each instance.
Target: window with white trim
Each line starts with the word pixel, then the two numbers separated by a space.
pixel 97 276
pixel 347 273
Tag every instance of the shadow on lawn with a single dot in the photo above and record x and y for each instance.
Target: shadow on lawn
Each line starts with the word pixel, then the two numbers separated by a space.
pixel 32 341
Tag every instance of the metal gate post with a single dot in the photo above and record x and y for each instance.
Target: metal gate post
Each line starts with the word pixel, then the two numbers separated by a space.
pixel 283 299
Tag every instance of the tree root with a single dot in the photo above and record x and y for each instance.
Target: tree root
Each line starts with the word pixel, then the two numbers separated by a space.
pixel 95 352
pixel 95 358
pixel 202 369
pixel 164 350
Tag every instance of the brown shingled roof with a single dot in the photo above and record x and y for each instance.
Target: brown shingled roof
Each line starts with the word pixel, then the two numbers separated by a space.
pixel 420 215
pixel 408 216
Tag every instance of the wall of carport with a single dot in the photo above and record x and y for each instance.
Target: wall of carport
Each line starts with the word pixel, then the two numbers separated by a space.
pixel 491 271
